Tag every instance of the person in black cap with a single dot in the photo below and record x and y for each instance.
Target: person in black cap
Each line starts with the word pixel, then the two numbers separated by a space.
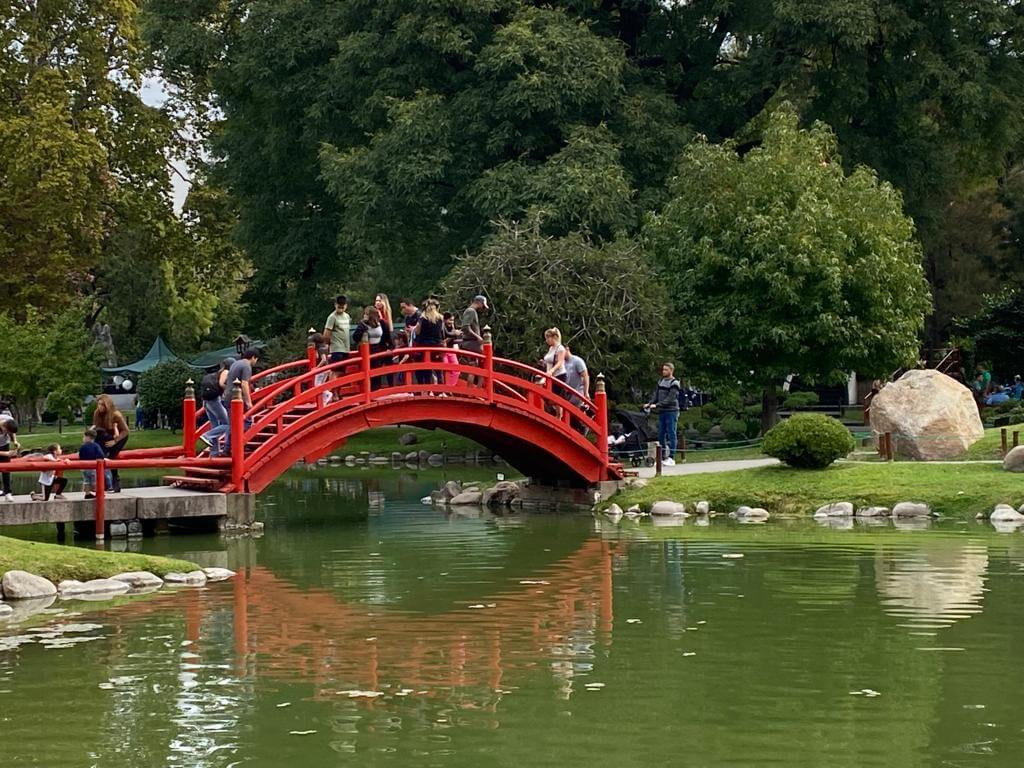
pixel 472 338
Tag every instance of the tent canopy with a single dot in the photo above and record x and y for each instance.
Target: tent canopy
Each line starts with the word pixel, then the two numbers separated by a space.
pixel 213 358
pixel 158 353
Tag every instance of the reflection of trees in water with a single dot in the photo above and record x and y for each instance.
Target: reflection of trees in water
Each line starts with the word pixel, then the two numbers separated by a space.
pixel 932 588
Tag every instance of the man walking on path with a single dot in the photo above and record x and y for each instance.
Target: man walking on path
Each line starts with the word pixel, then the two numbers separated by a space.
pixel 472 339
pixel 665 400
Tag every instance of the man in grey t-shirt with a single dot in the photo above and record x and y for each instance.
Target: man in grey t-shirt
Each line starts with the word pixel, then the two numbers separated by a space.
pixel 576 375
pixel 472 337
pixel 241 371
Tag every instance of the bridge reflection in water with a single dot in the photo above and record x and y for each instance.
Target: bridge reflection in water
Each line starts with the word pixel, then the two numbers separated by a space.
pixel 311 635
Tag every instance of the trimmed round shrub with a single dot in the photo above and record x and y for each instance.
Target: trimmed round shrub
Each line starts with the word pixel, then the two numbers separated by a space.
pixel 734 428
pixel 808 441
pixel 801 399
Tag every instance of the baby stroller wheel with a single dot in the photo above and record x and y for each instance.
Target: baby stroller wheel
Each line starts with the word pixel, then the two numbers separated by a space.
pixel 648 462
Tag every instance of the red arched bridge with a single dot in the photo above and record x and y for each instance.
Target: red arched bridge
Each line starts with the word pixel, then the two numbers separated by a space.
pixel 301 412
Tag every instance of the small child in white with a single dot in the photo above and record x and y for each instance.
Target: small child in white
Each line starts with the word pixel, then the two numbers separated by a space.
pixel 53 481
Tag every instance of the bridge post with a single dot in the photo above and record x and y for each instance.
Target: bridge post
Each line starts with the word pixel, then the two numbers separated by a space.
pixel 364 366
pixel 311 348
pixel 601 417
pixel 100 510
pixel 237 446
pixel 188 419
pixel 489 363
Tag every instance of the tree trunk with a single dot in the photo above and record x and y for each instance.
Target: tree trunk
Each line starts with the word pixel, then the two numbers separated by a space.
pixel 769 408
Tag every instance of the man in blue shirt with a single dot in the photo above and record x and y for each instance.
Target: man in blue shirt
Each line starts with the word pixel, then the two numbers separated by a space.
pixel 665 400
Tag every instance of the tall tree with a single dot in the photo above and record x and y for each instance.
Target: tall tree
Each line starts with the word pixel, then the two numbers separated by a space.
pixel 383 136
pixel 778 263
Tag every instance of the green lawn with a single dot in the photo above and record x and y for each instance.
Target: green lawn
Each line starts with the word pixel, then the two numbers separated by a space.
pixel 957 490
pixel 56 562
pixel 990 446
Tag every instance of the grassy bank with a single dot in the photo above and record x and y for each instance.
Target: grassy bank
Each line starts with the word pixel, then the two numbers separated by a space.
pixel 951 489
pixel 56 562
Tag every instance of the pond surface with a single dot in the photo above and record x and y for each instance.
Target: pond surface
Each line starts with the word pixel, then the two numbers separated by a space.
pixel 367 629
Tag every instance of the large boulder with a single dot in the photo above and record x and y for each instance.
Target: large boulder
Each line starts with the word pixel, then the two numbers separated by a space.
pixel 467 498
pixel 21 585
pixel 1013 461
pixel 409 438
pixel 139 579
pixel 502 494
pixel 930 415
pixel 668 509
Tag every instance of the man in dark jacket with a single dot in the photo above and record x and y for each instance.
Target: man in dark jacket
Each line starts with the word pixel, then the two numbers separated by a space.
pixel 665 400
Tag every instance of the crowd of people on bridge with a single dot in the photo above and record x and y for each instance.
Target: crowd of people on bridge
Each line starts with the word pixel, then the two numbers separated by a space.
pixel 420 332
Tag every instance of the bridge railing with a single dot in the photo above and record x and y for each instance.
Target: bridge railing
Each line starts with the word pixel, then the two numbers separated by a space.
pixel 314 393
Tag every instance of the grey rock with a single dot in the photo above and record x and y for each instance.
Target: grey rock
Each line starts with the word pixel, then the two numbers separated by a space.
pixel 1013 461
pixel 423 456
pixel 412 457
pixel 703 507
pixel 397 457
pixel 139 579
pixel 467 497
pixel 435 460
pixel 502 494
pixel 21 585
pixel 636 482
pixel 95 588
pixel 451 489
pixel 134 529
pixel 613 510
pixel 669 508
pixel 408 438
pixel 835 509
pixel 5 611
pixel 118 531
pixel 218 574
pixel 911 509
pixel 190 579
pixel 751 514
pixel 1004 513
pixel 872 512
pixel 350 459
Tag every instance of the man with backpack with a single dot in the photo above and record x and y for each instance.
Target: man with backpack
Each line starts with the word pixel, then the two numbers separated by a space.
pixel 211 389
pixel 665 400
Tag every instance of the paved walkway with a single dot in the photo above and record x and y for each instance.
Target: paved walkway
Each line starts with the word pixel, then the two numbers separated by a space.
pixel 708 467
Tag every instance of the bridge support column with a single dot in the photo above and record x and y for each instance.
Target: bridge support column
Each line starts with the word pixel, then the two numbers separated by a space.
pixel 601 417
pixel 237 417
pixel 488 363
pixel 188 419
pixel 100 510
pixel 364 367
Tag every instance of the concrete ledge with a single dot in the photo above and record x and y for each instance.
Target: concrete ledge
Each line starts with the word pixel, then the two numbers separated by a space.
pixel 155 503
pixel 24 511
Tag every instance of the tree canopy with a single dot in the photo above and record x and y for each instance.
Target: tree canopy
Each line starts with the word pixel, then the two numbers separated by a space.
pixel 778 262
pixel 603 298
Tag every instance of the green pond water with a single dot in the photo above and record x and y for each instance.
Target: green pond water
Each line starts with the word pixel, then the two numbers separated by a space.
pixel 367 629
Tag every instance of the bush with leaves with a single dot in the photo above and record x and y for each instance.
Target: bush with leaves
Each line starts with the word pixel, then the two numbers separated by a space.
pixel 796 400
pixel 611 309
pixel 162 388
pixel 808 441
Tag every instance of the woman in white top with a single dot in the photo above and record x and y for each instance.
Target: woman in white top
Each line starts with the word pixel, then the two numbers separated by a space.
pixel 554 364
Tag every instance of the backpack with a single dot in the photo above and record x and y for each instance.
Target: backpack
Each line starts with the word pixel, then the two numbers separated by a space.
pixel 210 386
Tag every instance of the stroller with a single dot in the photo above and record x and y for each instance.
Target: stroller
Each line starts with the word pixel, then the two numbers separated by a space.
pixel 635 440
